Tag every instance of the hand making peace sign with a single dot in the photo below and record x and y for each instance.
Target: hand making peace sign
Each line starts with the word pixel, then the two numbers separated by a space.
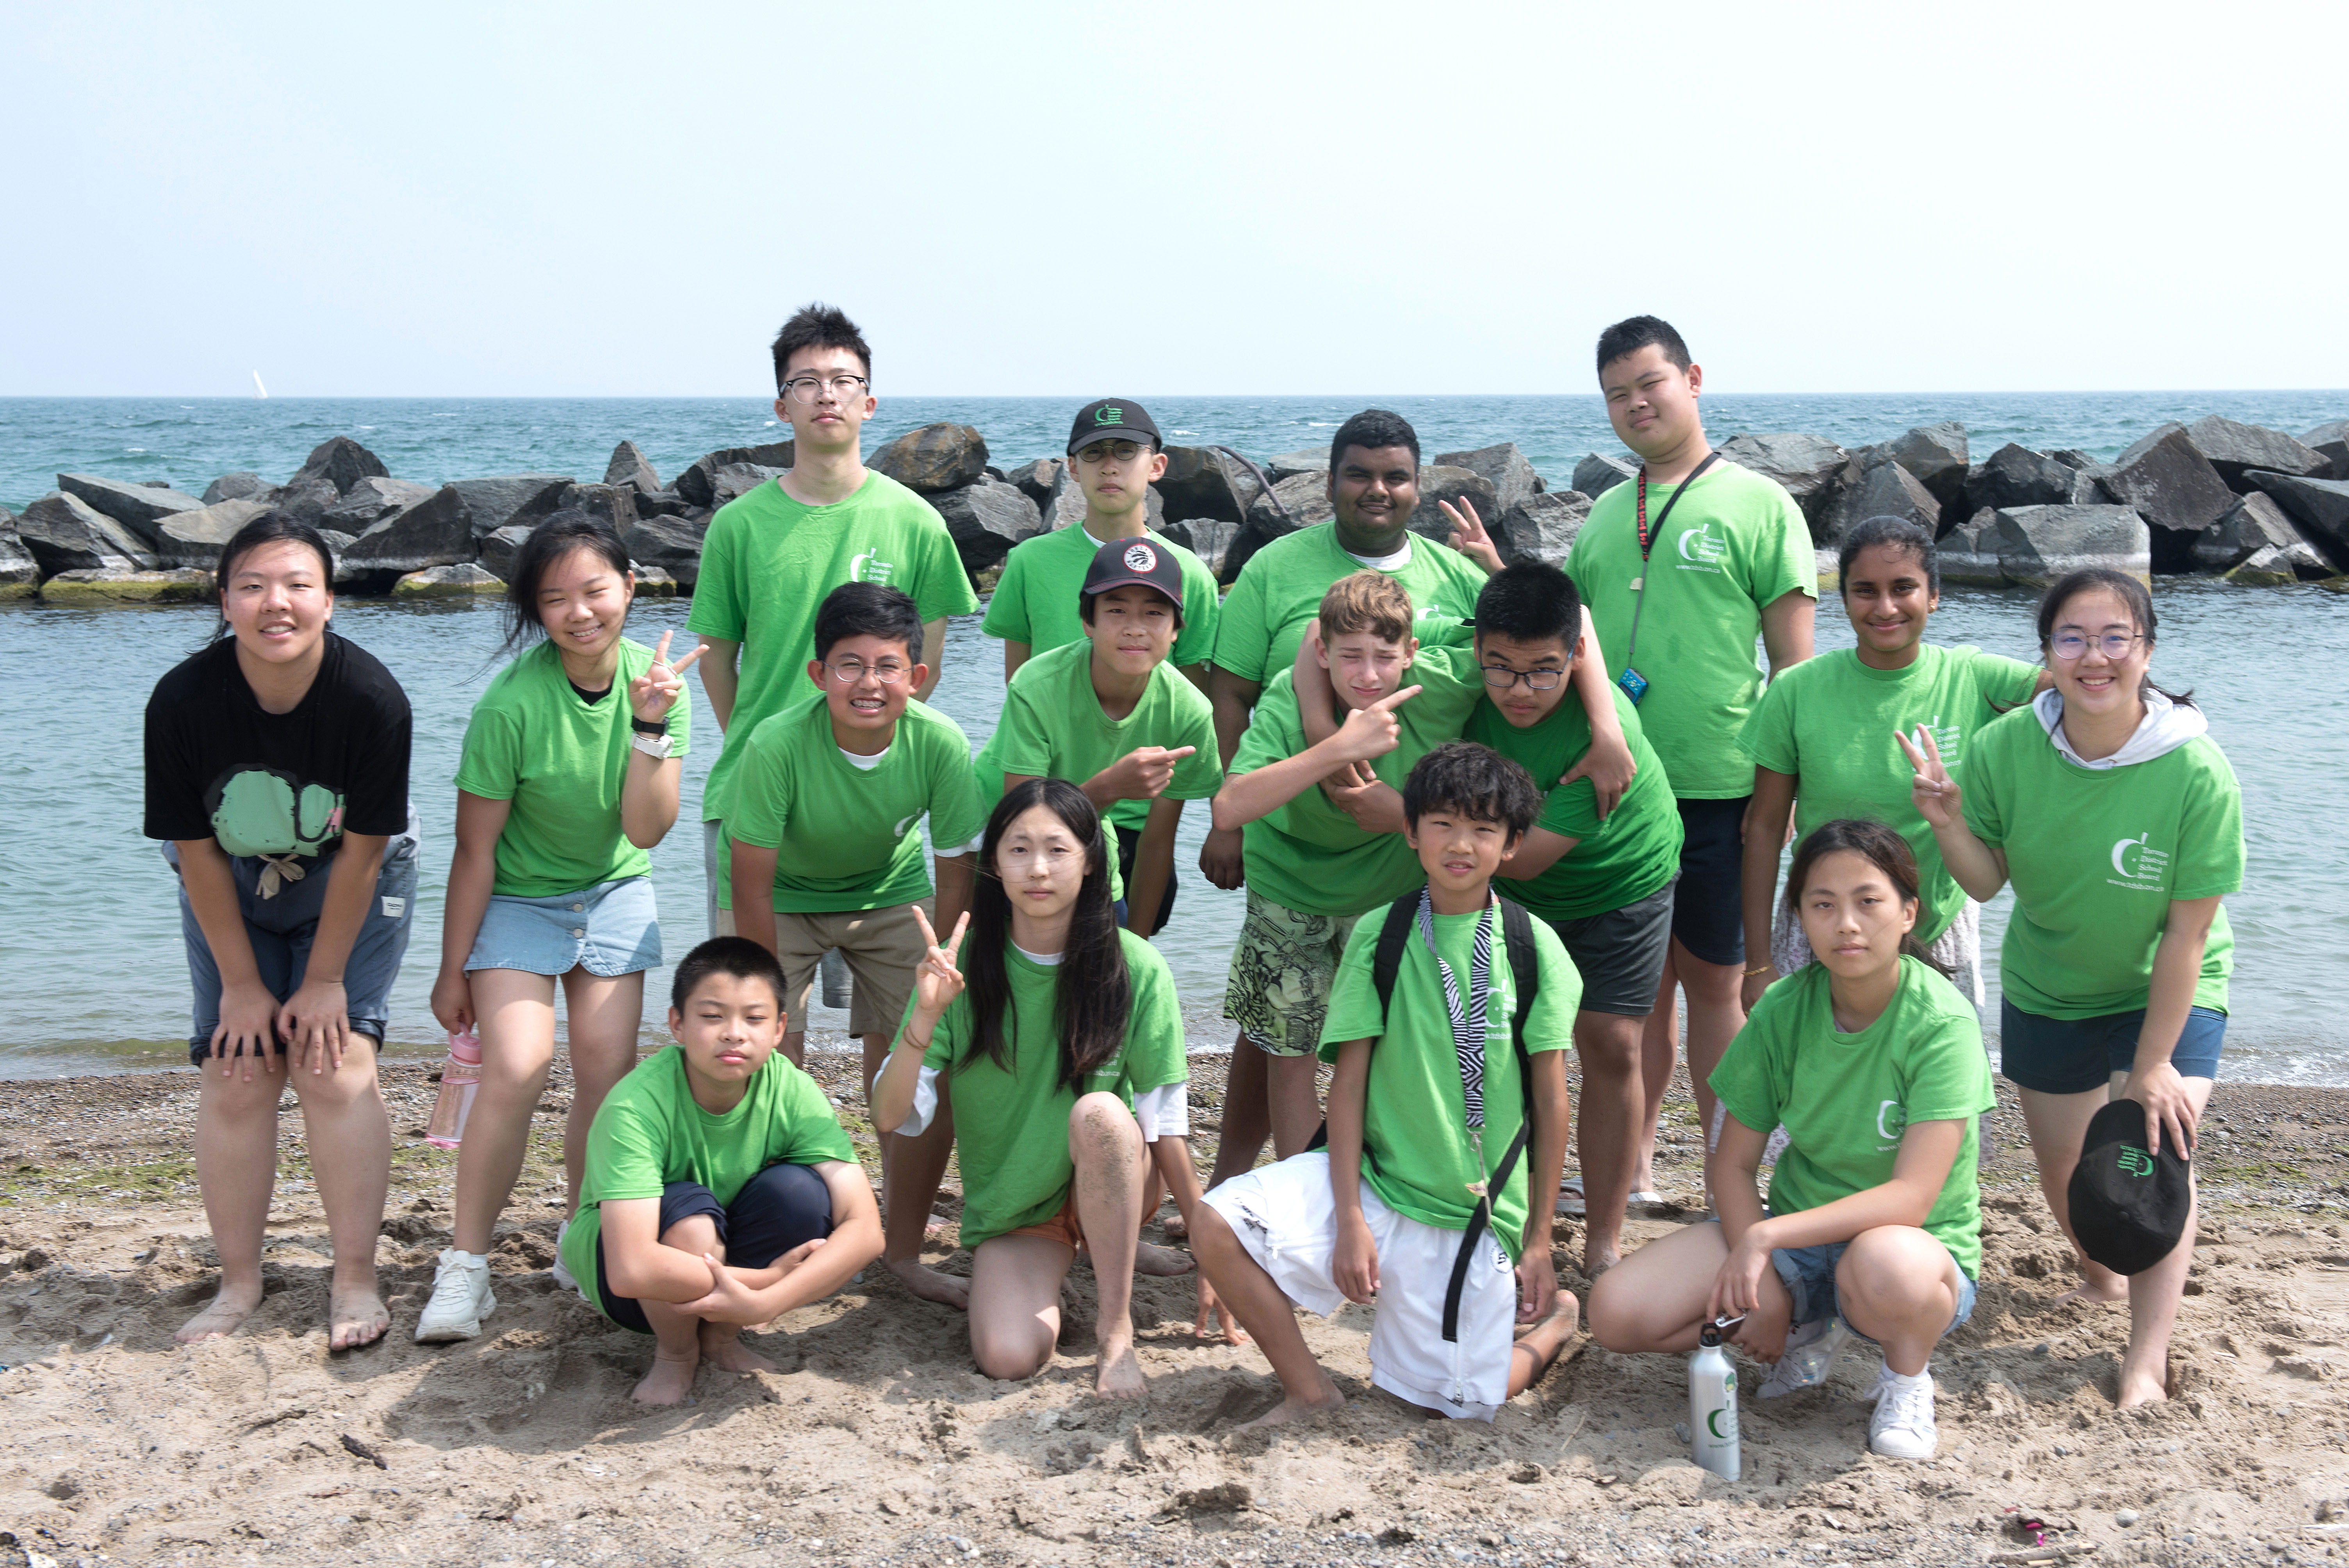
pixel 936 981
pixel 652 693
pixel 1470 537
pixel 1934 792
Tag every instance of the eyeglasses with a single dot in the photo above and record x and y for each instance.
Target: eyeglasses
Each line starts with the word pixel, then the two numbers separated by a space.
pixel 1104 451
pixel 2070 646
pixel 811 390
pixel 848 672
pixel 1501 678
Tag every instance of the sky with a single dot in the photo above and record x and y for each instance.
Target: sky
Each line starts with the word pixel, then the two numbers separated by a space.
pixel 494 198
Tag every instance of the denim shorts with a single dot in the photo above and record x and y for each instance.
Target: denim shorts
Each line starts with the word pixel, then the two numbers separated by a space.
pixel 2076 1056
pixel 609 929
pixel 1809 1275
pixel 1708 901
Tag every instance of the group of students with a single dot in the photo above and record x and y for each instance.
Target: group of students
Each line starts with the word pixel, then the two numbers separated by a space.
pixel 1462 799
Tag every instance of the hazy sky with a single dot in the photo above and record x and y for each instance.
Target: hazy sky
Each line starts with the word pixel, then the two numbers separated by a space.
pixel 494 198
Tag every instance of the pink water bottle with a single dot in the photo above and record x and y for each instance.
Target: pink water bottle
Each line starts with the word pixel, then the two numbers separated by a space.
pixel 459 1080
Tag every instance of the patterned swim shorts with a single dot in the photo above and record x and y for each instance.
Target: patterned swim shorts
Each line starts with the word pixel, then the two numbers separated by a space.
pixel 1283 965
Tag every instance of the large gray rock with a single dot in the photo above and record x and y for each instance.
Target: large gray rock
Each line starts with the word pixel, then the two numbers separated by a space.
pixel 985 518
pixel 1935 457
pixel 2037 544
pixel 2017 476
pixel 1597 474
pixel 1873 485
pixel 194 538
pixel 341 462
pixel 2331 441
pixel 66 533
pixel 613 506
pixel 693 485
pixel 1503 466
pixel 435 532
pixel 630 467
pixel 1305 497
pixel 1209 538
pixel 461 580
pixel 500 547
pixel 935 458
pixel 1034 479
pixel 369 503
pixel 1803 465
pixel 1464 489
pixel 2319 507
pixel 499 499
pixel 735 480
pixel 2174 488
pixel 137 507
pixel 1201 482
pixel 308 499
pixel 671 543
pixel 242 485
pixel 19 573
pixel 1969 552
pixel 2255 525
pixel 1541 527
pixel 1064 504
pixel 1304 461
pixel 2233 449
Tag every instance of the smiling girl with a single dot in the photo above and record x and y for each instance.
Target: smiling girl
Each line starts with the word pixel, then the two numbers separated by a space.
pixel 569 776
pixel 2121 826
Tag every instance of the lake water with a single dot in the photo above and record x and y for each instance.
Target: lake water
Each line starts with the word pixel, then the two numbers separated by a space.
pixel 91 972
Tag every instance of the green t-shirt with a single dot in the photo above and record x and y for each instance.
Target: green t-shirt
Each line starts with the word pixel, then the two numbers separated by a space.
pixel 561 761
pixel 1279 593
pixel 767 565
pixel 2096 856
pixel 1738 543
pixel 1619 861
pixel 1416 1152
pixel 1035 600
pixel 1011 1129
pixel 1831 721
pixel 1052 727
pixel 843 835
pixel 1846 1099
pixel 1306 854
pixel 649 1132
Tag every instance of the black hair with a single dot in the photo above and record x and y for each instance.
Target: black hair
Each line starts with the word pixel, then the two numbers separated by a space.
pixel 1882 847
pixel 1894 533
pixel 737 955
pixel 568 529
pixel 1634 333
pixel 819 326
pixel 1085 603
pixel 1093 995
pixel 1371 429
pixel 1530 602
pixel 2134 596
pixel 271 527
pixel 868 610
pixel 1475 782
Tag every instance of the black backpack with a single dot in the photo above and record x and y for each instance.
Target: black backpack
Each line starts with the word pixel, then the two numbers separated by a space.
pixel 1524 971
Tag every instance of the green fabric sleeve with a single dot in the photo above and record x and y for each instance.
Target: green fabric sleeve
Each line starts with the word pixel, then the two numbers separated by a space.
pixel 1195 644
pixel 943 588
pixel 2210 828
pixel 1242 638
pixel 718 591
pixel 1784 560
pixel 1978 783
pixel 1948 1075
pixel 1549 1022
pixel 1198 776
pixel 761 808
pixel 1022 741
pixel 1007 607
pixel 811 1130
pixel 957 811
pixel 1354 1012
pixel 1748 1080
pixel 624 1153
pixel 1155 1054
pixel 1768 737
pixel 491 763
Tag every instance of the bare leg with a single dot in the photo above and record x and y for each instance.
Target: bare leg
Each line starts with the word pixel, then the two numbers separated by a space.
pixel 1247 1119
pixel 236 1167
pixel 911 1170
pixel 1898 1286
pixel 1538 1346
pixel 1153 1194
pixel 1293 1096
pixel 1655 1300
pixel 795 1048
pixel 514 1014
pixel 1660 1049
pixel 1015 1304
pixel 1612 1101
pixel 605 1016
pixel 1269 1316
pixel 1715 1014
pixel 349 1137
pixel 2058 1122
pixel 678 1336
pixel 1109 1152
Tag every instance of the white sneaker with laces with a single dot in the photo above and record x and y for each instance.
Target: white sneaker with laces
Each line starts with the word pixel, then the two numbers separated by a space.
pixel 1902 1426
pixel 460 1298
pixel 563 1275
pixel 1807 1359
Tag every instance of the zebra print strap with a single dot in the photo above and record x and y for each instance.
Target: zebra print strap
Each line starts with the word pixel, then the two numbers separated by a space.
pixel 1467 1022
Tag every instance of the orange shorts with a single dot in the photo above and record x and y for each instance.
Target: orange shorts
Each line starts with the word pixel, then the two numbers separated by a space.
pixel 1062 1227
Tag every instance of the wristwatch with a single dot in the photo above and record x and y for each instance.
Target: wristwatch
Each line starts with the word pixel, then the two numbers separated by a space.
pixel 653 746
pixel 648 726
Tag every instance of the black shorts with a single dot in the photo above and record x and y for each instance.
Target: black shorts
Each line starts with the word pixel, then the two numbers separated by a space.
pixel 781 1208
pixel 1708 904
pixel 1128 844
pixel 1620 954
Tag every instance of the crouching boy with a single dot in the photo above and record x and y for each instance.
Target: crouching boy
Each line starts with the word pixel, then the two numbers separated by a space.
pixel 719 1189
pixel 1419 1202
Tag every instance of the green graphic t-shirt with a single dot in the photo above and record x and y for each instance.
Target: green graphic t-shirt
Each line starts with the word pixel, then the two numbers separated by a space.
pixel 1035 600
pixel 767 565
pixel 1416 1151
pixel 1846 1099
pixel 1738 543
pixel 1011 1128
pixel 1279 593
pixel 649 1132
pixel 1053 727
pixel 845 836
pixel 561 761
pixel 1831 721
pixel 1308 855
pixel 2095 855
pixel 1613 862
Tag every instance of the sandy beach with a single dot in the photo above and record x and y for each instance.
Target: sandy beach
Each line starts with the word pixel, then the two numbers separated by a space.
pixel 875 1442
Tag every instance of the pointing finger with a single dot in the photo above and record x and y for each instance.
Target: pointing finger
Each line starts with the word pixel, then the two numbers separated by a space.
pixel 1387 703
pixel 1180 751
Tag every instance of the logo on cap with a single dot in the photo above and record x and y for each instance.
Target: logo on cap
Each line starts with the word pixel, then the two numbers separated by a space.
pixel 2135 1162
pixel 1142 558
pixel 1108 414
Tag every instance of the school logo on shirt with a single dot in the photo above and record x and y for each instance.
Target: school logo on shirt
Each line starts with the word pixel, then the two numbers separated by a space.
pixel 1947 737
pixel 1701 550
pixel 1140 558
pixel 1891 1122
pixel 868 567
pixel 905 824
pixel 2141 866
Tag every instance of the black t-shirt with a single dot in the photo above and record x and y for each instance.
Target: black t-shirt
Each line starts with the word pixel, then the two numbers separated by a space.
pixel 220 766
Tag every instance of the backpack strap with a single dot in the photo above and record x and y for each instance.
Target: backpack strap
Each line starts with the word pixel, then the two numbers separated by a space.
pixel 1386 963
pixel 1525 974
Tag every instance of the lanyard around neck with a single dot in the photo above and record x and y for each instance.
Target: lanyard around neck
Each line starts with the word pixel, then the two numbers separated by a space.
pixel 1467 1018
pixel 1647 539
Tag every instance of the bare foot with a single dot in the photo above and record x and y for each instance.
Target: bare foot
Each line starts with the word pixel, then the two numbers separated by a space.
pixel 2091 1292
pixel 948 1290
pixel 1598 1260
pixel 1119 1376
pixel 1293 1410
pixel 722 1348
pixel 219 1319
pixel 1162 1260
pixel 356 1316
pixel 1176 1229
pixel 669 1381
pixel 933 1227
pixel 2144 1385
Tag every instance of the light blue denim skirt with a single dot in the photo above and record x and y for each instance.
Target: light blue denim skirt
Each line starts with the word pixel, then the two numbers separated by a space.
pixel 612 928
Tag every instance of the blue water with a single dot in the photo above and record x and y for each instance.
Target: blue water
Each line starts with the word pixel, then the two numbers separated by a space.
pixel 92 972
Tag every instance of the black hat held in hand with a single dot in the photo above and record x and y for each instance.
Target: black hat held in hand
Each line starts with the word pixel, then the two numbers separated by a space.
pixel 2128 1205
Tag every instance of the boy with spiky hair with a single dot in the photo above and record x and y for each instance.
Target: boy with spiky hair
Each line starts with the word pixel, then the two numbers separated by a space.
pixel 773 554
pixel 1444 1144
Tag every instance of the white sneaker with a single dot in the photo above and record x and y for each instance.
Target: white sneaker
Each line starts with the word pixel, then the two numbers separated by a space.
pixel 1807 1359
pixel 460 1299
pixel 563 1275
pixel 1902 1426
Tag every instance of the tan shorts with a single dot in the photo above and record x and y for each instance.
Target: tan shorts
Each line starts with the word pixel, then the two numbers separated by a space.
pixel 882 947
pixel 1062 1227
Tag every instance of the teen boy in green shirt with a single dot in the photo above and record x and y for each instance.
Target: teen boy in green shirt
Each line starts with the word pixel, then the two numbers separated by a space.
pixel 770 555
pixel 824 849
pixel 1117 453
pixel 1682 570
pixel 1108 714
pixel 1427 1098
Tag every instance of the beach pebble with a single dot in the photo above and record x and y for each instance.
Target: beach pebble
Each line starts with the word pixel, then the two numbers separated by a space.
pixel 2126 1517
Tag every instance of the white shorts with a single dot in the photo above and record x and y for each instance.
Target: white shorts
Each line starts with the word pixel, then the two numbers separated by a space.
pixel 1286 1217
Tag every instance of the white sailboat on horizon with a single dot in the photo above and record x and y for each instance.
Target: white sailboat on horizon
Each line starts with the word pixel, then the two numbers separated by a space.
pixel 258 390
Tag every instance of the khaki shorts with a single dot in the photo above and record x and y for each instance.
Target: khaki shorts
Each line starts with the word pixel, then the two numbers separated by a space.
pixel 882 947
pixel 1283 965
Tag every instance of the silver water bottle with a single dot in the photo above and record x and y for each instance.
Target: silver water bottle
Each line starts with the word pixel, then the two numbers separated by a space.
pixel 1712 1404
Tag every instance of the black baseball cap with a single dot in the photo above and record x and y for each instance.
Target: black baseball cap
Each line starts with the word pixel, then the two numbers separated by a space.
pixel 1113 418
pixel 1145 562
pixel 2128 1204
